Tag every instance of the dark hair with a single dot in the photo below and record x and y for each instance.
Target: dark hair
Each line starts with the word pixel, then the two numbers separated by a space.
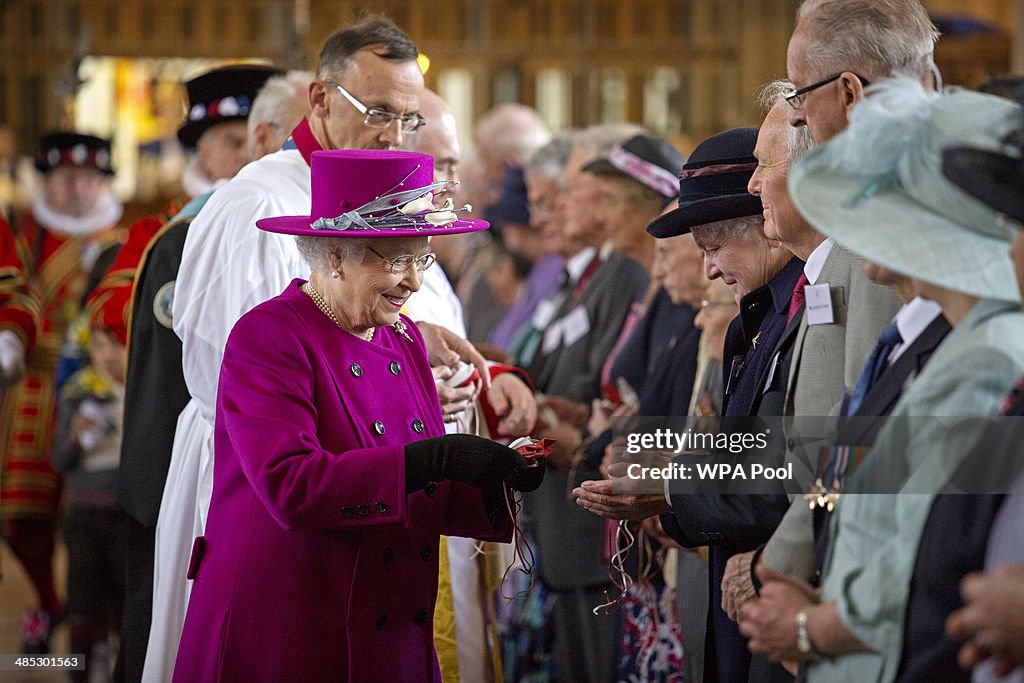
pixel 372 30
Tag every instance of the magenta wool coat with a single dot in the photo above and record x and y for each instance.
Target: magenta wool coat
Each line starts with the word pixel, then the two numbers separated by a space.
pixel 316 565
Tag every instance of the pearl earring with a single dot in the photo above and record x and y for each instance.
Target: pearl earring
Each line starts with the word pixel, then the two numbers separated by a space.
pixel 335 274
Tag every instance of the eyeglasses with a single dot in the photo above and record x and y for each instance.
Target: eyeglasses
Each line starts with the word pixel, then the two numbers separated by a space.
pixel 378 118
pixel 402 263
pixel 795 97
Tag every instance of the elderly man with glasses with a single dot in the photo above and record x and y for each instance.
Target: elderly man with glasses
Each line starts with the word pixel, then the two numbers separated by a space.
pixel 366 96
pixel 840 47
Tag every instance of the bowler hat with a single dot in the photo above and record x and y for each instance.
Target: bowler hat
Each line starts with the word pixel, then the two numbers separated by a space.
pixel 74 149
pixel 878 187
pixel 373 193
pixel 648 160
pixel 713 184
pixel 221 95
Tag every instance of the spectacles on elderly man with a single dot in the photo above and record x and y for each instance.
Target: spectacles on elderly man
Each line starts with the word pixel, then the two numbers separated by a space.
pixel 402 263
pixel 794 96
pixel 378 118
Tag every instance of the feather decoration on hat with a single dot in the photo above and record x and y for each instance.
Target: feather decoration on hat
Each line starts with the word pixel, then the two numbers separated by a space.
pixel 886 126
pixel 402 209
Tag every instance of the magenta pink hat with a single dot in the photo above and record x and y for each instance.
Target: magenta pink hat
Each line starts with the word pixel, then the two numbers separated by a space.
pixel 372 193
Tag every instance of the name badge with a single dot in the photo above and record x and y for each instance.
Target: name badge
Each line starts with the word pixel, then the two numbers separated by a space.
pixel 819 304
pixel 545 312
pixel 575 325
pixel 552 337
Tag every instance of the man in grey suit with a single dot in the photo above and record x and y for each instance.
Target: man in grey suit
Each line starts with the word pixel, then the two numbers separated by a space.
pixel 837 49
pixel 830 344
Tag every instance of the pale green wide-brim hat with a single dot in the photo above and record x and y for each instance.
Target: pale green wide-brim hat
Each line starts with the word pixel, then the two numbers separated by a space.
pixel 878 189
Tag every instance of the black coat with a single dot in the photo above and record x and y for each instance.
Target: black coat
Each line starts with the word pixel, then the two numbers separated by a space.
pixel 155 393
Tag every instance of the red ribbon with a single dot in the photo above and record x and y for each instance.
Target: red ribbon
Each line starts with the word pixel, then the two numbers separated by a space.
pixel 538 450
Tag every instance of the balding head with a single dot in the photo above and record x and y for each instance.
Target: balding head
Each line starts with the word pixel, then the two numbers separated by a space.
pixel 506 136
pixel 439 138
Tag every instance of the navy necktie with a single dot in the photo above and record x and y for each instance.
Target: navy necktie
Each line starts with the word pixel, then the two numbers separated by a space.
pixel 875 366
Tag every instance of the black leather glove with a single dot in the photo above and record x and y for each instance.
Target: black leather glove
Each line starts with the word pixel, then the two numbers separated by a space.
pixel 470 459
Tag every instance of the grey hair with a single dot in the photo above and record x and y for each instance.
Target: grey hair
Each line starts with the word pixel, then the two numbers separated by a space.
pixel 876 38
pixel 598 140
pixel 798 139
pixel 276 100
pixel 512 131
pixel 549 160
pixel 316 251
pixel 732 228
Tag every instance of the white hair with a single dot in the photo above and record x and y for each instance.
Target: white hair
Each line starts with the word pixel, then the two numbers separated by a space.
pixel 798 139
pixel 732 228
pixel 598 140
pixel 316 251
pixel 549 160
pixel 874 38
pixel 275 103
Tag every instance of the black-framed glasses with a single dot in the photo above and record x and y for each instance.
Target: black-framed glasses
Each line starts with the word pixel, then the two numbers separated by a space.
pixel 795 96
pixel 402 263
pixel 378 118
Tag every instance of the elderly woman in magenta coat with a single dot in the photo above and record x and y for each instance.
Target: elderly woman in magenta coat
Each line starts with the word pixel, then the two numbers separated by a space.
pixel 334 478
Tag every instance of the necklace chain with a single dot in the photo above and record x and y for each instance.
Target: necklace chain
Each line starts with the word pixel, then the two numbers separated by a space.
pixel 313 294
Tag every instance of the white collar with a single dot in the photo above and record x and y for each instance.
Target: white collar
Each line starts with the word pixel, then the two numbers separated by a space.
pixel 911 320
pixel 105 214
pixel 195 183
pixel 577 265
pixel 816 261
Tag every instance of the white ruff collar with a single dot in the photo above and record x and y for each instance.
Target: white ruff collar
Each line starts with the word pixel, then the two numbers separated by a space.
pixel 105 214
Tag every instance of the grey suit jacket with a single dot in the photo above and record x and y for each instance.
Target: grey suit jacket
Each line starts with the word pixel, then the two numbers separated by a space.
pixel 827 360
pixel 569 539
pixel 573 371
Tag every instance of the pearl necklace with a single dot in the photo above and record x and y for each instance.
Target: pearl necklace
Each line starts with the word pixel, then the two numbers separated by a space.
pixel 310 290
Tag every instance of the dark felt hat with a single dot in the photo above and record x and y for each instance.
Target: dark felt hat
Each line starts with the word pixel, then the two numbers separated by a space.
pixel 74 149
pixel 221 95
pixel 713 184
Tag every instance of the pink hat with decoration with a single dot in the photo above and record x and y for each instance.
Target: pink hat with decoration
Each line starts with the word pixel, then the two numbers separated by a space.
pixel 374 193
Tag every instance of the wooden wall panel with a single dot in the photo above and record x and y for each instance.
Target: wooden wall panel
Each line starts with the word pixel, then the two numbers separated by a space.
pixel 723 50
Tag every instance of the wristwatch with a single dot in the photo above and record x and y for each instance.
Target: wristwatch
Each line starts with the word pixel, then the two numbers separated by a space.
pixel 803 641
